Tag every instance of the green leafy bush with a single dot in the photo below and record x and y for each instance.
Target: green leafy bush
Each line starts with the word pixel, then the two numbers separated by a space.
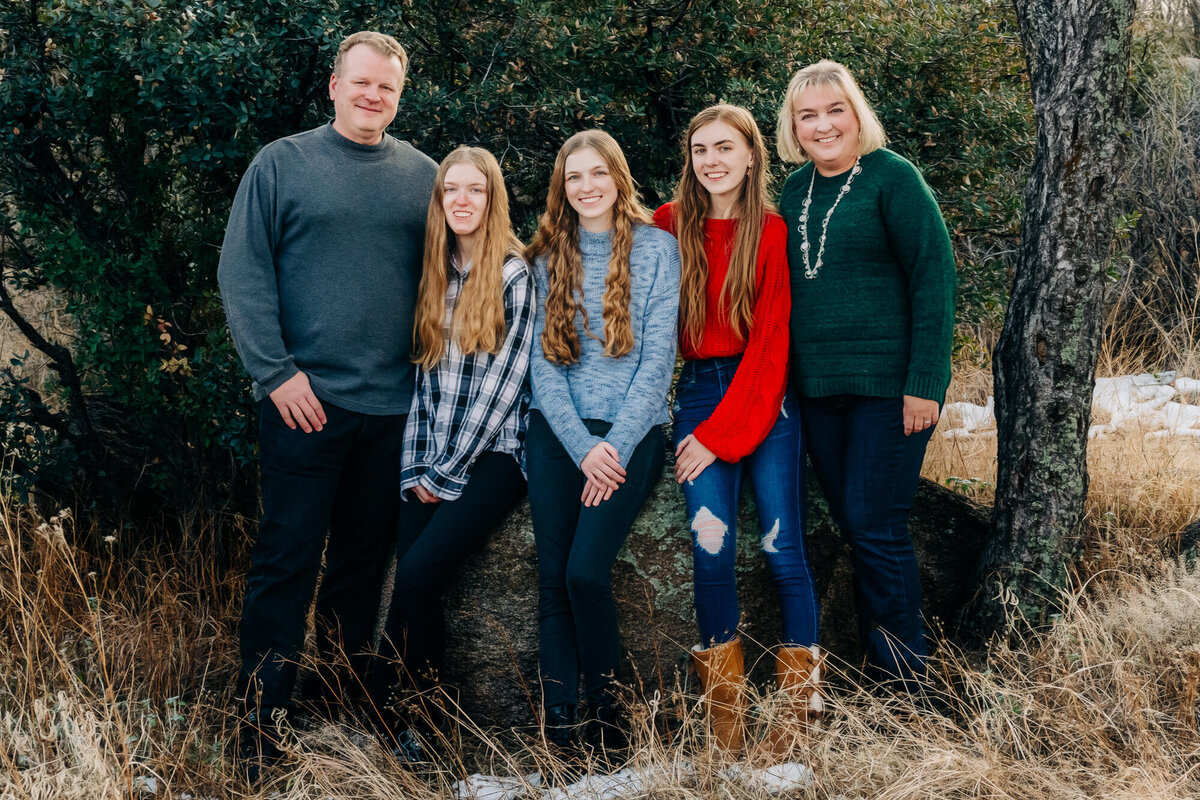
pixel 125 125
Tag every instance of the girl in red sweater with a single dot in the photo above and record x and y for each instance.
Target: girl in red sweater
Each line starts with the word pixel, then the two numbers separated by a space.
pixel 734 417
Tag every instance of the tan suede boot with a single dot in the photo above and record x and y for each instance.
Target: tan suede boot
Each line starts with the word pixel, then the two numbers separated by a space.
pixel 798 672
pixel 722 673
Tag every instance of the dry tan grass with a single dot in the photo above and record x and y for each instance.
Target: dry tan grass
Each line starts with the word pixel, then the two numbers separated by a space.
pixel 1142 492
pixel 116 669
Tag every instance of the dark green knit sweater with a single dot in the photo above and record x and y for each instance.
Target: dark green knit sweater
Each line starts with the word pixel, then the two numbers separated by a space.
pixel 878 319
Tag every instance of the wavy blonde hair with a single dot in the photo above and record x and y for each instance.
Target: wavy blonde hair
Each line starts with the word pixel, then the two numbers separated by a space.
pixel 557 238
pixel 826 73
pixel 740 288
pixel 477 323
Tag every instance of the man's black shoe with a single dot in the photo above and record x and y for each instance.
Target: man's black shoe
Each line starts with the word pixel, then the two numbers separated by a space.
pixel 258 745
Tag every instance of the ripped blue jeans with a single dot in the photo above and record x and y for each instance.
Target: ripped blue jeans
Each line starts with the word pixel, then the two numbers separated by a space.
pixel 776 469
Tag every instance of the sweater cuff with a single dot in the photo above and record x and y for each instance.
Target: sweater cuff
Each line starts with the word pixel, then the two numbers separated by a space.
pixel 289 371
pixel 718 449
pixel 927 387
pixel 578 449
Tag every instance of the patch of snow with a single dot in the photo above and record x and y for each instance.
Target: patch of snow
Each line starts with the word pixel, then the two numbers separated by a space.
pixel 778 779
pixel 1146 400
pixel 620 784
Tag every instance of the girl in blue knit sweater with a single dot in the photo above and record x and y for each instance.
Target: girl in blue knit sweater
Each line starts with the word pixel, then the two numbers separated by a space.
pixel 608 293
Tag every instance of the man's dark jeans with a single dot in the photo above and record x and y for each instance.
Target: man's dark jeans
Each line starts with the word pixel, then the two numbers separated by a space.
pixel 869 471
pixel 333 492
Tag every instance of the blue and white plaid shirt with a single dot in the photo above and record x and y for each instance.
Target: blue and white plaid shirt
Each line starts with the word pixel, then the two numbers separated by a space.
pixel 472 404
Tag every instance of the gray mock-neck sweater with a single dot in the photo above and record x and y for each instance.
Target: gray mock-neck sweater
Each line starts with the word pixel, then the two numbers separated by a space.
pixel 320 266
pixel 630 391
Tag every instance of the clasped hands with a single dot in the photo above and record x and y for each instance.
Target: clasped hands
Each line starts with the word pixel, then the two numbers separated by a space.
pixel 604 473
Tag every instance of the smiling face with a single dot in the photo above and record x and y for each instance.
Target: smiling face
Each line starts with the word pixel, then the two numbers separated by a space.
pixel 720 158
pixel 590 189
pixel 465 200
pixel 826 128
pixel 366 93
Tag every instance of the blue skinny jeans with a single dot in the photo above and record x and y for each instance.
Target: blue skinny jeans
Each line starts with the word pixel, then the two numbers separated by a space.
pixel 776 468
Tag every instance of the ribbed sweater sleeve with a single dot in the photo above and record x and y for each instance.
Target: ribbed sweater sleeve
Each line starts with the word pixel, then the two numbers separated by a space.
pixel 249 286
pixel 655 348
pixel 551 390
pixel 918 237
pixel 752 402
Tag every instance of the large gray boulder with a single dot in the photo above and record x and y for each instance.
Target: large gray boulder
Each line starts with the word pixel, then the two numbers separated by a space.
pixel 492 609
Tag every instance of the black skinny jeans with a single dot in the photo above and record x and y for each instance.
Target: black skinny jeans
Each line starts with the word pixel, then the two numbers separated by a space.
pixel 576 547
pixel 434 540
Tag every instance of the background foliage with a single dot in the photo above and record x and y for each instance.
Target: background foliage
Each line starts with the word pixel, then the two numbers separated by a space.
pixel 125 125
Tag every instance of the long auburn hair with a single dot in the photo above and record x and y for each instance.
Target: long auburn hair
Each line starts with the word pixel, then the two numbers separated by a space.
pixel 477 324
pixel 557 238
pixel 739 291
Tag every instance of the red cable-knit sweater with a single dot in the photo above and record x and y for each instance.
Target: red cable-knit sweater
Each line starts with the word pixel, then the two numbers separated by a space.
pixel 751 405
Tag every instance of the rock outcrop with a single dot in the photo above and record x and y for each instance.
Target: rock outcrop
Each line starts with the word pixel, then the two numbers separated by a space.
pixel 492 610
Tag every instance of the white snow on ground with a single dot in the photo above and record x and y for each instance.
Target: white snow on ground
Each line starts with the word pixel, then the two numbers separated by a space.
pixel 627 783
pixel 1144 400
pixel 774 780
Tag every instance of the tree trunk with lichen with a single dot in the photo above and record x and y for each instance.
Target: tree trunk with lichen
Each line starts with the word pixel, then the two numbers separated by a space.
pixel 1078 53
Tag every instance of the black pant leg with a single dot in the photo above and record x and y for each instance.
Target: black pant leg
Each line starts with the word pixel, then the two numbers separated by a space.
pixel 555 487
pixel 599 535
pixel 452 531
pixel 300 476
pixel 362 533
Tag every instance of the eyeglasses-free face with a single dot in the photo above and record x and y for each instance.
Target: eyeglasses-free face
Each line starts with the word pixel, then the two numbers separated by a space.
pixel 826 128
pixel 590 189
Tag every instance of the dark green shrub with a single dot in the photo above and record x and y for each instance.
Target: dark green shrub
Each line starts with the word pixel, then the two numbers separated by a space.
pixel 125 125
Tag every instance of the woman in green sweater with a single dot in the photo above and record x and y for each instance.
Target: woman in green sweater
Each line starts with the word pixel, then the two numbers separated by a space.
pixel 872 277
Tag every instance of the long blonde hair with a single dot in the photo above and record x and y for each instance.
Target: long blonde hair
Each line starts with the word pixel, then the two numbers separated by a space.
pixel 477 324
pixel 740 288
pixel 557 238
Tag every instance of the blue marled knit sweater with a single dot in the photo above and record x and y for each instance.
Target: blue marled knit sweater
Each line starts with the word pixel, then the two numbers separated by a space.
pixel 630 391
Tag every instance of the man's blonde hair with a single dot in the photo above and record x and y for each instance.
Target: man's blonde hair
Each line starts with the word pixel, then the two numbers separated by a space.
pixel 379 42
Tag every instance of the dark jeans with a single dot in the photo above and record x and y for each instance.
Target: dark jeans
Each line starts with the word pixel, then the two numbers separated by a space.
pixel 576 547
pixel 869 471
pixel 339 481
pixel 435 539
pixel 776 468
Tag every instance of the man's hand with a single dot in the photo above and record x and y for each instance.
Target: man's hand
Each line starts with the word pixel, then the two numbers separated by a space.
pixel 298 405
pixel 691 458
pixel 425 496
pixel 919 414
pixel 602 468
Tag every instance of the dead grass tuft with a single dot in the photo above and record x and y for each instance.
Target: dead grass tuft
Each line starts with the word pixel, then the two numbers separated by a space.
pixel 117 672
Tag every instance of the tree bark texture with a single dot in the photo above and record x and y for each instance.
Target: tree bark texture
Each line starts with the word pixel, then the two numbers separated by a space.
pixel 1078 53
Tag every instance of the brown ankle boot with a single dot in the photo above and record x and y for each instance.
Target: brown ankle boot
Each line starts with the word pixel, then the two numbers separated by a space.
pixel 723 675
pixel 798 672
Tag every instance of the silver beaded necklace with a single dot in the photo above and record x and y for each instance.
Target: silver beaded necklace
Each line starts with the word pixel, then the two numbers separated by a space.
pixel 810 269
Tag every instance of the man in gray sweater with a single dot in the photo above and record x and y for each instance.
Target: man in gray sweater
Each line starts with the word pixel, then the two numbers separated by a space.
pixel 319 273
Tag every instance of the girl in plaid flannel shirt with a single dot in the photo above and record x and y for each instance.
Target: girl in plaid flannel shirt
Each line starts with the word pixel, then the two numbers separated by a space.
pixel 461 463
